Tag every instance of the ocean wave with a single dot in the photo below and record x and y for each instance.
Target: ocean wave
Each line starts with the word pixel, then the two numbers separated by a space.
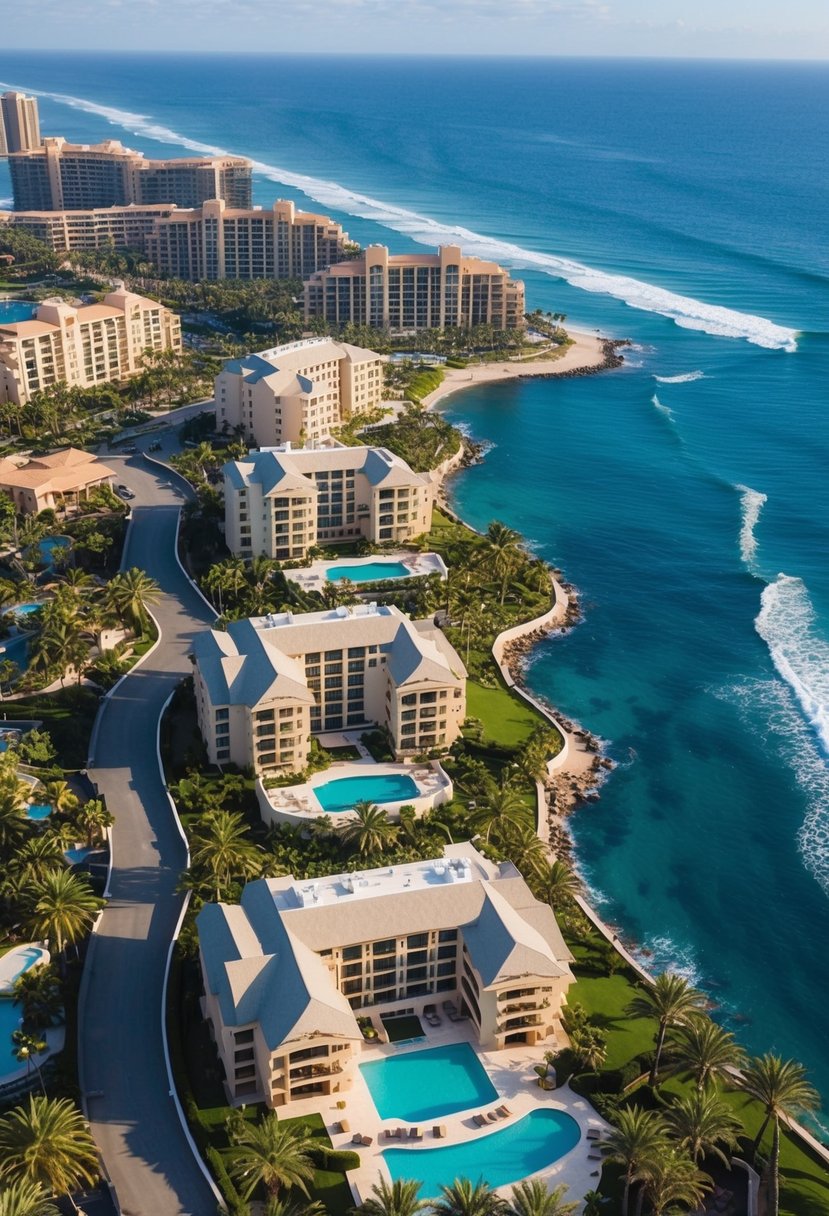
pixel 751 504
pixel 685 378
pixel 664 410
pixel 786 623
pixel 659 952
pixel 684 311
pixel 6 204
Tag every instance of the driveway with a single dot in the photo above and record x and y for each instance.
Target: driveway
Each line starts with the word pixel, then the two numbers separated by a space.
pixel 122 1070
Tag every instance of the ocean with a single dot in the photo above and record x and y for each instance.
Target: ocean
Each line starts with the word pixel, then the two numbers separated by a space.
pixel 683 206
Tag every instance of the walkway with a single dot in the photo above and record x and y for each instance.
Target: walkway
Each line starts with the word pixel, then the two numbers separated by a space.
pixel 121 1058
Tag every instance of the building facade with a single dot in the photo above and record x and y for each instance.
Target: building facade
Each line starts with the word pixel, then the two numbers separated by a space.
pixel 83 346
pixel 264 686
pixel 90 228
pixel 298 392
pixel 59 176
pixel 280 502
pixel 19 123
pixel 287 971
pixel 61 479
pixel 405 292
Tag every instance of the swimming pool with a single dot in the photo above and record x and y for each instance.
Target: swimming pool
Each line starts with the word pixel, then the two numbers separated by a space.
pixel 38 811
pixel 10 1019
pixel 26 609
pixel 499 1158
pixel 16 310
pixel 341 793
pixel 419 1086
pixel 18 960
pixel 47 548
pixel 369 572
pixel 76 856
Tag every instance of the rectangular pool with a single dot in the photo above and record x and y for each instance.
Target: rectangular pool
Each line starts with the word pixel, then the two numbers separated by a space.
pixel 419 1086
pixel 341 793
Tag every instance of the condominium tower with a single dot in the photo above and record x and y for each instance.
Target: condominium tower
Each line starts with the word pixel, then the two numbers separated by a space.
pixel 19 123
pixel 82 346
pixel 406 291
pixel 92 227
pixel 297 392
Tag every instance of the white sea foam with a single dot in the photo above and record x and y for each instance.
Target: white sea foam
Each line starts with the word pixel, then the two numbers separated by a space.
pixel 659 953
pixel 786 623
pixel 683 310
pixel 663 409
pixel 6 204
pixel 685 378
pixel 751 504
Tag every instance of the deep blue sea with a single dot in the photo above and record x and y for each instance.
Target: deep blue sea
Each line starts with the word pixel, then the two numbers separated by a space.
pixel 683 206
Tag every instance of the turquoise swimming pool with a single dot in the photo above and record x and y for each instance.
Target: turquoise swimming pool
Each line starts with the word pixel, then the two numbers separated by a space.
pixel 369 572
pixel 341 793
pixel 10 1020
pixel 499 1158
pixel 423 1085
pixel 38 810
pixel 16 310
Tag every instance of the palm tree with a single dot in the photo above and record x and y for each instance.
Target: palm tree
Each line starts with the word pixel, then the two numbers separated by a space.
pixel 274 1206
pixel 531 1198
pixel 272 1155
pixel 673 1001
pixel 707 1051
pixel 47 1142
pixel 638 1136
pixel 370 831
pixel 589 1045
pixel 465 1198
pixel 782 1088
pixel 505 551
pixel 130 594
pixel 33 859
pixel 520 840
pixel 61 795
pixel 503 807
pixel 555 884
pixel 93 819
pixel 221 846
pixel 37 991
pixel 672 1178
pixel 700 1122
pixel 64 908
pixel 25 1199
pixel 14 824
pixel 399 1199
pixel 26 1048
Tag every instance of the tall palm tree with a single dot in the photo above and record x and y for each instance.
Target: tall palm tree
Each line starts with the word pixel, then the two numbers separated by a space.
pixel 673 1001
pixel 503 807
pixel 32 860
pixel 505 551
pixel 61 795
pixel 465 1198
pixel 221 846
pixel 26 1048
pixel 707 1051
pixel 370 831
pixel 531 1198
pixel 276 1206
pixel 521 841
pixel 270 1154
pixel 638 1136
pixel 555 884
pixel 46 1141
pixel 64 908
pixel 782 1088
pixel 14 824
pixel 671 1178
pixel 399 1199
pixel 93 819
pixel 701 1122
pixel 130 594
pixel 25 1199
pixel 37 992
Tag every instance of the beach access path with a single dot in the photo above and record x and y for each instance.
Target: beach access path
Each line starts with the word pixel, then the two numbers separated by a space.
pixel 123 1075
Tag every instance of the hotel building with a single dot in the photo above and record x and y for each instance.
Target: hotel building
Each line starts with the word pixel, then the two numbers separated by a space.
pixel 411 291
pixel 298 392
pixel 288 969
pixel 280 502
pixel 264 686
pixel 91 228
pixel 19 123
pixel 83 346
pixel 56 480
pixel 58 175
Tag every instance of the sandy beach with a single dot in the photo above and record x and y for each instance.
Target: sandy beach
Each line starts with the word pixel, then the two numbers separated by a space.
pixel 587 353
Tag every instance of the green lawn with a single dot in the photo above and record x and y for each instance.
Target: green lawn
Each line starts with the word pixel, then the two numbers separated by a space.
pixel 330 1187
pixel 605 998
pixel 507 720
pixel 68 715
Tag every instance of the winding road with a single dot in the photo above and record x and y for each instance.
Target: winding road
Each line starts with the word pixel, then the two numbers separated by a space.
pixel 121 1055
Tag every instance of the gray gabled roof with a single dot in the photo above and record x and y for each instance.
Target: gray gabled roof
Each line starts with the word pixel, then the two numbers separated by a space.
pixel 504 946
pixel 240 667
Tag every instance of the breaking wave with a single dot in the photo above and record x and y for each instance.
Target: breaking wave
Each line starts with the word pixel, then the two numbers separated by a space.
pixel 664 410
pixel 786 623
pixel 685 378
pixel 751 504
pixel 684 311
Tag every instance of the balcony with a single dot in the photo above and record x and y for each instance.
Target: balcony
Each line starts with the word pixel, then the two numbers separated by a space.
pixel 315 1070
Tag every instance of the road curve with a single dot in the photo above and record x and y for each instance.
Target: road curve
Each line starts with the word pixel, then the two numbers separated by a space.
pixel 121 1058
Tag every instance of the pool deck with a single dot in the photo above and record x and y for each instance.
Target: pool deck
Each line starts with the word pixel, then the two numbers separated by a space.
pixel 511 1072
pixel 315 576
pixel 299 804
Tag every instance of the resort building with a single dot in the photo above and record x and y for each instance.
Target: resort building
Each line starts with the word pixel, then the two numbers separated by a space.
pixel 91 228
pixel 19 123
pixel 83 345
pixel 264 686
pixel 288 969
pixel 410 291
pixel 58 175
pixel 61 479
pixel 298 392
pixel 216 241
pixel 280 502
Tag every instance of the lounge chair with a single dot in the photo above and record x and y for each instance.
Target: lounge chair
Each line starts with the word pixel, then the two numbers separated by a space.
pixel 503 1111
pixel 593 1133
pixel 480 1119
pixel 439 1131
pixel 368 1140
pixel 344 1126
pixel 401 1133
pixel 491 1116
pixel 415 1133
pixel 595 1157
pixel 357 1138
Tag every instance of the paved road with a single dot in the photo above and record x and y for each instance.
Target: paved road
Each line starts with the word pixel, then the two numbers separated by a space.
pixel 133 1117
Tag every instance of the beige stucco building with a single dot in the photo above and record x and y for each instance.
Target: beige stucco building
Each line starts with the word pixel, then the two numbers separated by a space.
pixel 60 479
pixel 264 686
pixel 297 392
pixel 83 345
pixel 280 502
pixel 19 123
pixel 287 971
pixel 411 291
pixel 91 227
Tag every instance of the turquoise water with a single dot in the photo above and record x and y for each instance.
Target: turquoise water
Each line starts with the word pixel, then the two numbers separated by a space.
pixel 369 572
pixel 47 548
pixel 15 310
pixel 682 205
pixel 499 1158
pixel 343 792
pixel 16 650
pixel 423 1085
pixel 38 810
pixel 9 1022
pixel 26 609
pixel 76 856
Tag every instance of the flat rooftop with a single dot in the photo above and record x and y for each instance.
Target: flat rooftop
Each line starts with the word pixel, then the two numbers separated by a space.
pixel 290 893
pixel 278 620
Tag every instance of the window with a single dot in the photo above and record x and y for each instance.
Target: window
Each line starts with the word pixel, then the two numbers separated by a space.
pixel 415 940
pixel 350 952
pixel 222 715
pixel 387 946
pixel 448 935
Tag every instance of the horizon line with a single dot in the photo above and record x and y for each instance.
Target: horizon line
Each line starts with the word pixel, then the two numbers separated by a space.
pixel 441 55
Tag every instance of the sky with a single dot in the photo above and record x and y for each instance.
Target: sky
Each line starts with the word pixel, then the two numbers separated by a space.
pixel 745 29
